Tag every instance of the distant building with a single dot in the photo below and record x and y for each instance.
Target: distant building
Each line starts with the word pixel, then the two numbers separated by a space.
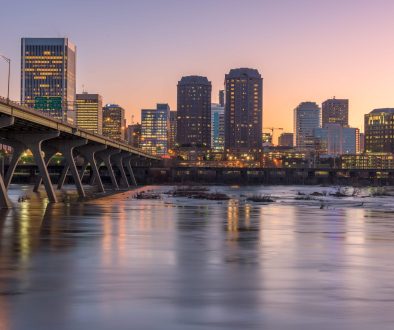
pixel 244 111
pixel 133 135
pixel 362 142
pixel 173 130
pixel 335 111
pixel 286 140
pixel 89 112
pixel 338 140
pixel 114 122
pixel 221 98
pixel 194 112
pixel 217 127
pixel 368 161
pixel 379 130
pixel 267 139
pixel 306 119
pixel 48 76
pixel 155 124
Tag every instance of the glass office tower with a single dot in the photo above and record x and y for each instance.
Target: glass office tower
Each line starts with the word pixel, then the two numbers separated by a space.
pixel 48 76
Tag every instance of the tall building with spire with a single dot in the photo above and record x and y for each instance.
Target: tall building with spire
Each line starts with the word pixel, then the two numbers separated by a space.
pixel 48 76
pixel 243 111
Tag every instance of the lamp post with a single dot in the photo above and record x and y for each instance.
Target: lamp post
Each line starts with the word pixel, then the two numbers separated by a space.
pixel 8 60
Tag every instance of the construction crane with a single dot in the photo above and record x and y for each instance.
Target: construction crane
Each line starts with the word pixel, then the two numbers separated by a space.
pixel 272 129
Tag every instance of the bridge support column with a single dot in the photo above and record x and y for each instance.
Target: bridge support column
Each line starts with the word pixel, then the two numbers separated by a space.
pixel 105 156
pixel 88 152
pixel 66 148
pixel 18 150
pixel 127 162
pixel 33 142
pixel 49 152
pixel 118 160
pixel 5 202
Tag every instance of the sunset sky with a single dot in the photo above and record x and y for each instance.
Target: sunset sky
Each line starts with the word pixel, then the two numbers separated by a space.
pixel 134 52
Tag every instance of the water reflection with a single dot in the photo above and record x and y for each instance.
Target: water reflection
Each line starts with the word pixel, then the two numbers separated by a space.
pixel 187 264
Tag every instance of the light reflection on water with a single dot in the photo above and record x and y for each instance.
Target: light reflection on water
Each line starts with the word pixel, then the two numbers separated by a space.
pixel 187 264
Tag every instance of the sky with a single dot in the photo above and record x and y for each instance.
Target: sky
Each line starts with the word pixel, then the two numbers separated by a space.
pixel 133 52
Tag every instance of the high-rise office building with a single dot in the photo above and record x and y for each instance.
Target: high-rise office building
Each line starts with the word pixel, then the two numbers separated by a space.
pixel 362 143
pixel 173 130
pixel 221 98
pixel 244 111
pixel 306 119
pixel 335 111
pixel 379 130
pixel 194 112
pixel 89 112
pixel 48 76
pixel 217 127
pixel 133 135
pixel 286 140
pixel 336 139
pixel 155 124
pixel 114 122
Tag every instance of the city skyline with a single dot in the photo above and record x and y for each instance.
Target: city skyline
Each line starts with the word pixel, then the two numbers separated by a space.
pixel 298 62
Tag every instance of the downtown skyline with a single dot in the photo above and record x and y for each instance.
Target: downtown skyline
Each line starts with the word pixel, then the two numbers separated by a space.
pixel 298 62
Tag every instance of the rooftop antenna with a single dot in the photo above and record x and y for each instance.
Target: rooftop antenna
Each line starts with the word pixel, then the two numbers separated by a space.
pixel 132 119
pixel 83 89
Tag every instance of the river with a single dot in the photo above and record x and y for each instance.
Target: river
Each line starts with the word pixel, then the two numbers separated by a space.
pixel 178 263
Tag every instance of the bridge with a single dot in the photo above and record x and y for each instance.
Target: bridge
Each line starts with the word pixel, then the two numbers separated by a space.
pixel 24 129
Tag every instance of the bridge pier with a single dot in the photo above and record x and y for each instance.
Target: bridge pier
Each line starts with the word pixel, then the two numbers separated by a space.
pixel 66 148
pixel 33 142
pixel 118 160
pixel 127 163
pixel 88 153
pixel 49 152
pixel 5 202
pixel 105 156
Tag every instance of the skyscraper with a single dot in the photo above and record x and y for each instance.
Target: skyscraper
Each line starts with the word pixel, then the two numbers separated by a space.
pixel 335 111
pixel 155 124
pixel 89 112
pixel 217 127
pixel 244 111
pixel 48 76
pixel 194 112
pixel 306 119
pixel 379 130
pixel 114 122
pixel 173 130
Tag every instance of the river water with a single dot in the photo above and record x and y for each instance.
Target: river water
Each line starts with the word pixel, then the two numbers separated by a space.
pixel 177 263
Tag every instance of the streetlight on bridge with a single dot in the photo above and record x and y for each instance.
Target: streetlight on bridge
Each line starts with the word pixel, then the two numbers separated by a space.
pixel 8 60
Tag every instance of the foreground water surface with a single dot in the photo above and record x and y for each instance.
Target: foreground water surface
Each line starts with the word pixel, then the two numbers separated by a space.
pixel 178 263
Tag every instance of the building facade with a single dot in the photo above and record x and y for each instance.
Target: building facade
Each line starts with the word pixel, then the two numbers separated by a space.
pixel 89 112
pixel 286 140
pixel 48 76
pixel 243 111
pixel 379 130
pixel 337 140
pixel 155 124
pixel 306 119
pixel 335 111
pixel 114 122
pixel 173 130
pixel 194 112
pixel 133 135
pixel 217 127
